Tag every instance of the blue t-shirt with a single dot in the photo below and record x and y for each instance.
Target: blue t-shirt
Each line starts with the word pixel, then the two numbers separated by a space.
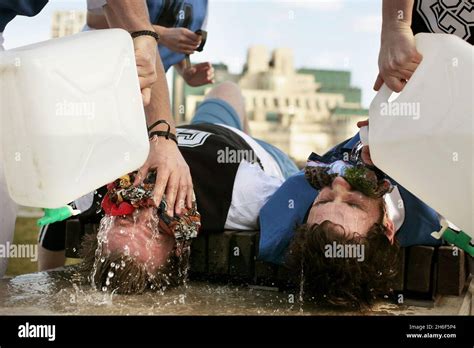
pixel 288 206
pixel 9 9
pixel 189 14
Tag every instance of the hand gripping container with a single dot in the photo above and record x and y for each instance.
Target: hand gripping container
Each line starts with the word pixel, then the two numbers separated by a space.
pixel 71 116
pixel 424 139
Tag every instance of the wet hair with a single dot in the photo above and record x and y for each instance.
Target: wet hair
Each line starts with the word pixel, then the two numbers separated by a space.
pixel 343 281
pixel 122 274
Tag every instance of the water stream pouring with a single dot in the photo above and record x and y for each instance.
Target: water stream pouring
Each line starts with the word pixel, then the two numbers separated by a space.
pixel 72 117
pixel 424 138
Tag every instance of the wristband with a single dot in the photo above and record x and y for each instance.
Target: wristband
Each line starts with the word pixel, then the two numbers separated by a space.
pixel 167 135
pixel 151 33
pixel 157 123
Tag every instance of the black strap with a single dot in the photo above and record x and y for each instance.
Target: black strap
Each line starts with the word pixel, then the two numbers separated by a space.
pixel 203 35
pixel 160 122
pixel 167 135
pixel 147 33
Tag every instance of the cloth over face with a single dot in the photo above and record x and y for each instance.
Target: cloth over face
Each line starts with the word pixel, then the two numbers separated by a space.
pixel 123 198
pixel 361 178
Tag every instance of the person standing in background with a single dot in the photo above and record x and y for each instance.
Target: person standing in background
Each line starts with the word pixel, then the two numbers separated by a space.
pixel 402 20
pixel 177 23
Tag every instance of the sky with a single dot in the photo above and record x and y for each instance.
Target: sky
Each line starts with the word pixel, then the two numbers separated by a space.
pixel 325 34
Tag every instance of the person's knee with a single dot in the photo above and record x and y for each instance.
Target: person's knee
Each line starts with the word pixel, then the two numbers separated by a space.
pixel 225 90
pixel 230 92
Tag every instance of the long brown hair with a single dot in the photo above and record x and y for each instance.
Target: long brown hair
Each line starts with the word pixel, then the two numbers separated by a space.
pixel 343 281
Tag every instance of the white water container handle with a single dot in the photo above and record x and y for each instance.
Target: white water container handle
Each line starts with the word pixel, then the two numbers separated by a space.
pixel 423 139
pixel 376 126
pixel 382 96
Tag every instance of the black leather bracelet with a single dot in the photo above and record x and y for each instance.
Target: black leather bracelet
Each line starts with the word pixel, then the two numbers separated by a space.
pixel 167 135
pixel 147 33
pixel 153 125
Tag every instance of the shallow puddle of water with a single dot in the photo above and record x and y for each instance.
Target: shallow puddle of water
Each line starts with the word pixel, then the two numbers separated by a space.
pixel 64 292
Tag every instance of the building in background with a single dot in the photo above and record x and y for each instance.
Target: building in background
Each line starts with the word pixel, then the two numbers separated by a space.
pixel 300 111
pixel 67 23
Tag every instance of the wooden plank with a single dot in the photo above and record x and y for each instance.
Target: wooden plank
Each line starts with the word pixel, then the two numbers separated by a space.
pixel 399 281
pixel 74 234
pixel 451 270
pixel 265 273
pixel 466 307
pixel 471 290
pixel 243 255
pixel 469 264
pixel 198 258
pixel 89 229
pixel 218 251
pixel 284 277
pixel 419 269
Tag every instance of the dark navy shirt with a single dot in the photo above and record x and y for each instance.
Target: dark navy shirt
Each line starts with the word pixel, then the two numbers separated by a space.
pixel 9 9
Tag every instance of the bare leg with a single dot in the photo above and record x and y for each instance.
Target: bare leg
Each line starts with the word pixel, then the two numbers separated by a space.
pixel 48 259
pixel 230 92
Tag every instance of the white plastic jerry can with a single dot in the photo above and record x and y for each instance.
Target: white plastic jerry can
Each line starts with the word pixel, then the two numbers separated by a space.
pixel 424 139
pixel 71 117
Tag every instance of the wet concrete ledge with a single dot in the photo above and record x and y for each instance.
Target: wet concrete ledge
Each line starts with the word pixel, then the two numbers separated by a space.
pixel 425 272
pixel 65 292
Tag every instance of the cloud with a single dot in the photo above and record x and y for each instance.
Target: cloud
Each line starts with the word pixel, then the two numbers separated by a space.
pixel 367 24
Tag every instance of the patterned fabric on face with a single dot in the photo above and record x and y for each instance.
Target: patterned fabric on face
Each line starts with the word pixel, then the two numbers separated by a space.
pixel 123 198
pixel 360 177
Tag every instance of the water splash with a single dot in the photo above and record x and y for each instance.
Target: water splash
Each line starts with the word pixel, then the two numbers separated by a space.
pixel 184 248
pixel 301 292
pixel 105 224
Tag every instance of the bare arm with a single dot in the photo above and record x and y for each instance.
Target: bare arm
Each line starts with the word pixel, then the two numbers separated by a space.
pixel 398 57
pixel 160 106
pixel 174 177
pixel 397 12
pixel 132 15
